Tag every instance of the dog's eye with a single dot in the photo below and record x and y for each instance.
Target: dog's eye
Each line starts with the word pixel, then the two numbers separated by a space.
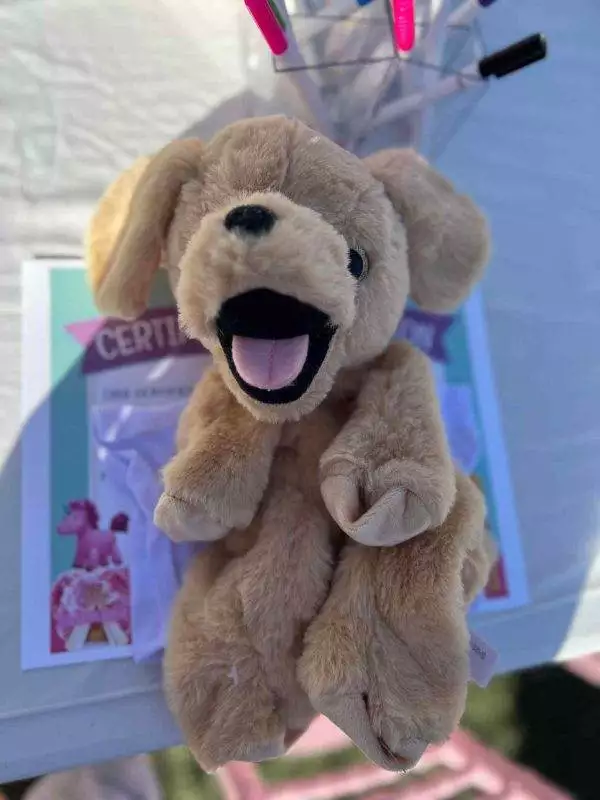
pixel 358 263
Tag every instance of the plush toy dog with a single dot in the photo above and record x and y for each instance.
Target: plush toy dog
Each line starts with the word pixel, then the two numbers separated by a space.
pixel 346 547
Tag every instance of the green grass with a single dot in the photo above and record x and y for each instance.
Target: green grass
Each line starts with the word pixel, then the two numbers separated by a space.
pixel 293 768
pixel 492 716
pixel 181 777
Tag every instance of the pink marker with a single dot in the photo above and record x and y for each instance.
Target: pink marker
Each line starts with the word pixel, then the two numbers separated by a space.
pixel 270 24
pixel 403 15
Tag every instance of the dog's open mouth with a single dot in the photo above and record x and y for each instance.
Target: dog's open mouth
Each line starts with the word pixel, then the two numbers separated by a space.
pixel 274 344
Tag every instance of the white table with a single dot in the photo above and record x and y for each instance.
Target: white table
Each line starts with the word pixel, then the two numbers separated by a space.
pixel 91 85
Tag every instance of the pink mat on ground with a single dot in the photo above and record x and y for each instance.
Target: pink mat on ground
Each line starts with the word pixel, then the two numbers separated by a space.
pixel 444 772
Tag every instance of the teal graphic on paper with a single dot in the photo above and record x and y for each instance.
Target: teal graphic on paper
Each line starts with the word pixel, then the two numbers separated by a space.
pixel 71 301
pixel 68 406
pixel 94 361
pixel 445 339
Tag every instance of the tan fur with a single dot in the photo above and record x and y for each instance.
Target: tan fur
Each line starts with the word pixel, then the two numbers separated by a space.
pixel 125 288
pixel 447 236
pixel 220 473
pixel 390 462
pixel 238 626
pixel 387 657
pixel 108 221
pixel 218 265
pixel 273 621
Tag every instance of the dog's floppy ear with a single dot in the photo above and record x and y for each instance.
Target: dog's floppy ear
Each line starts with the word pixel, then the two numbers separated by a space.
pixel 126 234
pixel 108 221
pixel 448 243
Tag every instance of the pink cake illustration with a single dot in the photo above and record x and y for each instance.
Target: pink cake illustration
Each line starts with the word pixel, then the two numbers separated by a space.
pixel 90 603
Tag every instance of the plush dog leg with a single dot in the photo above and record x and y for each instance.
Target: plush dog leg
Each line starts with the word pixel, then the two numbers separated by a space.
pixel 207 660
pixel 217 479
pixel 231 660
pixel 477 566
pixel 389 475
pixel 387 658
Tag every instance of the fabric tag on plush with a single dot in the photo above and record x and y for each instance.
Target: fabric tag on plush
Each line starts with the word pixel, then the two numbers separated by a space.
pixel 482 660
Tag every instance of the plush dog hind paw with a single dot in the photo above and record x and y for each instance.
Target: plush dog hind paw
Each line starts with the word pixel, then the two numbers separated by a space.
pixel 256 739
pixel 391 721
pixel 388 504
pixel 392 692
pixel 226 714
pixel 351 715
pixel 184 522
pixel 211 756
pixel 255 752
pixel 232 702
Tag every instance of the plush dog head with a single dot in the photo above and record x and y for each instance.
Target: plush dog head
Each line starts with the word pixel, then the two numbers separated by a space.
pixel 290 258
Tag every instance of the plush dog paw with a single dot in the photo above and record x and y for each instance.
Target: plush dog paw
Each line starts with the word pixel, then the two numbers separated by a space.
pixel 184 522
pixel 393 705
pixel 388 504
pixel 221 695
pixel 223 722
pixel 215 681
pixel 233 714
pixel 203 498
pixel 389 749
pixel 394 689
pixel 234 696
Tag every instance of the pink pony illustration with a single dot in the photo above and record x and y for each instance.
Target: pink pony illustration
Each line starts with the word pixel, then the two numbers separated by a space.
pixel 95 547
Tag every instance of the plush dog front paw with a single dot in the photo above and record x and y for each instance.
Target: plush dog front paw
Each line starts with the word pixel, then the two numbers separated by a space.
pixel 184 522
pixel 385 505
pixel 203 498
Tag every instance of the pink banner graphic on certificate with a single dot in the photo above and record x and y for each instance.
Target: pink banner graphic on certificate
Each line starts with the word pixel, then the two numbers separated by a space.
pixel 84 332
pixel 111 343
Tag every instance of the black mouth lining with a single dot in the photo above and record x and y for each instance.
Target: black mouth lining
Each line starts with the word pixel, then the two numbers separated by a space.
pixel 263 314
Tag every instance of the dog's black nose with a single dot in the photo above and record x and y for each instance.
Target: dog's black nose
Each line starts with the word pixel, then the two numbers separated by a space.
pixel 250 219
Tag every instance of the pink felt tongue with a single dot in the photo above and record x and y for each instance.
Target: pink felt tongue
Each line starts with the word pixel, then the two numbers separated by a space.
pixel 269 363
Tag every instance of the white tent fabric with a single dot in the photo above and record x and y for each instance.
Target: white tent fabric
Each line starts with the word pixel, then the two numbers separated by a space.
pixel 87 86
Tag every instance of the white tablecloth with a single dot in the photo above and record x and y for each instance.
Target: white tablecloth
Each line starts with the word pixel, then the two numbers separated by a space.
pixel 87 86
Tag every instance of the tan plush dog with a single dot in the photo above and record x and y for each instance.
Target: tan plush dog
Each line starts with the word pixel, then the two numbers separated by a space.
pixel 346 547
